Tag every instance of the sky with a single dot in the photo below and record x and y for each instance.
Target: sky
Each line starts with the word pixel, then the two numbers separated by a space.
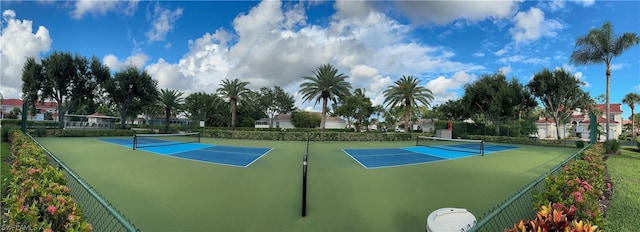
pixel 191 46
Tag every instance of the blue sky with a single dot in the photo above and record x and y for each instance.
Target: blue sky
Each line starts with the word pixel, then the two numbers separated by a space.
pixel 192 45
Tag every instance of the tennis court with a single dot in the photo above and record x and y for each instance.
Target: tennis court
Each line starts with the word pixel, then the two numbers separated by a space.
pixel 162 193
pixel 238 156
pixel 392 157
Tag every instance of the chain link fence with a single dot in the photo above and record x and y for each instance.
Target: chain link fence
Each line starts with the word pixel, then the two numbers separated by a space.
pixel 96 210
pixel 519 206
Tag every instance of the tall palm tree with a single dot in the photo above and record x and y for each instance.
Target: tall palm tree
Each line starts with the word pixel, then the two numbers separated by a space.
pixel 601 46
pixel 169 100
pixel 378 110
pixel 325 85
pixel 233 91
pixel 632 99
pixel 407 93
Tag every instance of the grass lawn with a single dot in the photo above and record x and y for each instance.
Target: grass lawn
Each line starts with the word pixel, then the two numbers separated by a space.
pixel 624 208
pixel 163 193
pixel 5 168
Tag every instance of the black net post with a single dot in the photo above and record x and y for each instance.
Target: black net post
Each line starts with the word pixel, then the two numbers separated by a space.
pixel 134 142
pixel 304 178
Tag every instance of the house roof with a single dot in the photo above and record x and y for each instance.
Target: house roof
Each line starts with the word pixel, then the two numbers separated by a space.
pixel 625 122
pixel 613 108
pixel 545 120
pixel 18 102
pixel 601 120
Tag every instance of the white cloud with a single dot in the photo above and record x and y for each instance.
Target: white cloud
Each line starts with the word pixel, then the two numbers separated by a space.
pixel 274 45
pixel 169 76
pixel 17 42
pixel 83 7
pixel 531 25
pixel 617 66
pixel 162 22
pixel 555 5
pixel 580 77
pixel 637 87
pixel 138 60
pixel 444 88
pixel 502 51
pixel 505 70
pixel 478 54
pixel 443 12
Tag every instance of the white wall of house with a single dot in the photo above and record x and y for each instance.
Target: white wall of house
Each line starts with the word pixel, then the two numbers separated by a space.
pixel 334 124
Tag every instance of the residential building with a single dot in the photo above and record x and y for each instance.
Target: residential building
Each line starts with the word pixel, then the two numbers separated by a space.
pixel 7 106
pixel 283 121
pixel 578 126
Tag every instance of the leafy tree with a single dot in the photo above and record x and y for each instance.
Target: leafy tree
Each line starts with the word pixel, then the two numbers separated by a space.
pixel 453 108
pixel 601 45
pixel 407 93
pixel 325 85
pixel 170 100
pixel 234 91
pixel 274 102
pixel 632 99
pixel 65 78
pixel 559 92
pixel 130 90
pixel 92 75
pixel 356 107
pixel 496 99
pixel 197 104
pixel 303 119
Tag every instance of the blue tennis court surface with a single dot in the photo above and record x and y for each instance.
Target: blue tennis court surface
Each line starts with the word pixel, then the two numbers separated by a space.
pixel 224 155
pixel 389 157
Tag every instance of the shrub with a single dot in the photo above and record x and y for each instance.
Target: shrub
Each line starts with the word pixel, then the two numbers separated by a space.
pixel 612 146
pixel 581 185
pixel 638 142
pixel 554 217
pixel 37 198
pixel 579 143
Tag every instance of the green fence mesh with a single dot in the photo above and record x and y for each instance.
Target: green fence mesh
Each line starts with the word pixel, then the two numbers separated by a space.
pixel 519 206
pixel 96 210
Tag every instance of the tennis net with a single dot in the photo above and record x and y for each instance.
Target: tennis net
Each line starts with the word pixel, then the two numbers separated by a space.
pixel 154 140
pixel 460 145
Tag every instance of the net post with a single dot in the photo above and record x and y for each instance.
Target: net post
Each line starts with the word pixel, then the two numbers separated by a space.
pixel 417 140
pixel 482 147
pixel 199 136
pixel 135 140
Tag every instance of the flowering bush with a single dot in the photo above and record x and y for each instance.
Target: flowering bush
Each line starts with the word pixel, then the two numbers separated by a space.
pixel 580 185
pixel 37 197
pixel 554 217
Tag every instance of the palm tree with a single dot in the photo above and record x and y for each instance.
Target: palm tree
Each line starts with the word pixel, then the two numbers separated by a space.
pixel 378 110
pixel 169 99
pixel 407 93
pixel 325 85
pixel 601 46
pixel 632 99
pixel 234 91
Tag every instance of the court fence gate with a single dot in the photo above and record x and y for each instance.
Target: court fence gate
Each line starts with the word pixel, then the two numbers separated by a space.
pixel 520 206
pixel 95 209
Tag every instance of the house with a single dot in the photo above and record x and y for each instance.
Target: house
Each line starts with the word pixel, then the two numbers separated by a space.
pixel 7 106
pixel 283 121
pixel 578 125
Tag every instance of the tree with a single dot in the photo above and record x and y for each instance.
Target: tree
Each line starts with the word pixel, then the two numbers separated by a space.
pixel 496 99
pixel 559 92
pixel 355 106
pixel 130 90
pixel 234 92
pixel 325 85
pixel 169 100
pixel 65 78
pixel 274 102
pixel 407 93
pixel 453 108
pixel 303 119
pixel 601 46
pixel 632 99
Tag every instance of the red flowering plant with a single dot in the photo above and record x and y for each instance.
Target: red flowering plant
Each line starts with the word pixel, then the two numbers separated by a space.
pixel 37 197
pixel 579 184
pixel 554 217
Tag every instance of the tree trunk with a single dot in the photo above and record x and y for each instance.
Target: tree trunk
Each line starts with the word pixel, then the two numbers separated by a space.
pixel 123 118
pixel 607 99
pixel 167 116
pixel 407 116
pixel 60 115
pixel 323 116
pixel 233 115
pixel 633 124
